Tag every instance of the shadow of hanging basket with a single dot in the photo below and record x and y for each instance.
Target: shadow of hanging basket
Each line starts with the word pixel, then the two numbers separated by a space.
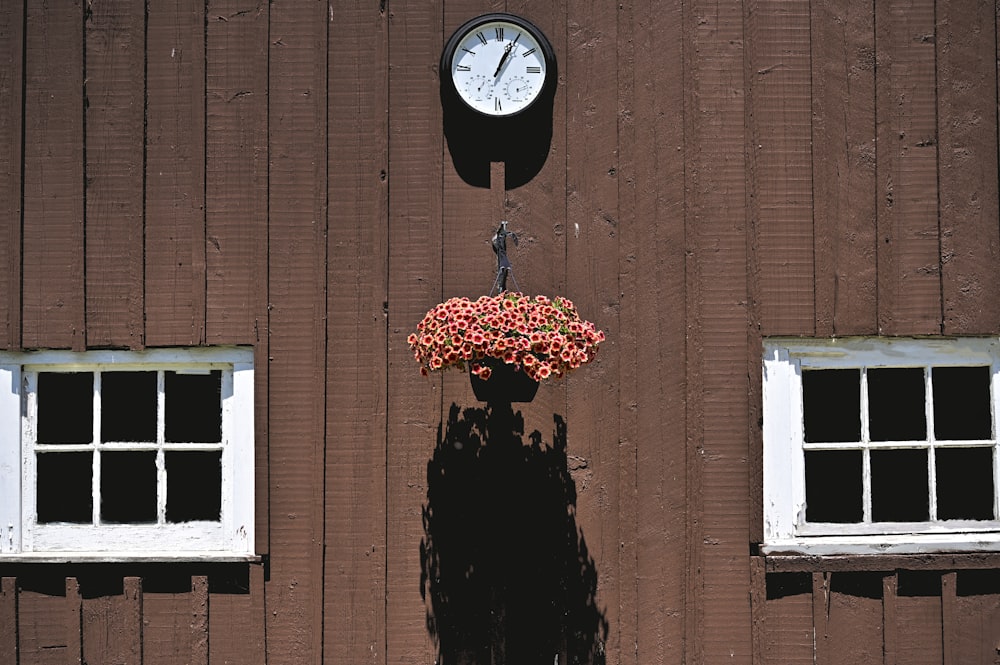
pixel 507 384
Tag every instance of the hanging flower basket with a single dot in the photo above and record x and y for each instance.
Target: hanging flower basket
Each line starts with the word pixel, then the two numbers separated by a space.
pixel 536 337
pixel 506 383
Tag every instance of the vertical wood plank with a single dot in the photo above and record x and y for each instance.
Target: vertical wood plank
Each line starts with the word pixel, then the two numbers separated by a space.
pixel 651 344
pixel 977 617
pixel 115 55
pixel 890 619
pixel 199 620
pixel 297 247
pixel 854 613
pixel 967 131
pixel 46 630
pixel 8 620
pixel 413 403
pixel 821 617
pixel 256 621
pixel 168 619
pixel 758 610
pixel 788 629
pixel 53 245
pixel 11 162
pixel 909 262
pixel 355 567
pixel 592 270
pixel 132 622
pixel 843 163
pixel 919 626
pixel 949 619
pixel 693 374
pixel 717 316
pixel 111 619
pixel 236 170
pixel 175 174
pixel 74 622
pixel 779 117
pixel 236 618
pixel 628 444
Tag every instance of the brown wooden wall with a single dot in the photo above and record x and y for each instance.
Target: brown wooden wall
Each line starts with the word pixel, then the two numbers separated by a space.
pixel 184 172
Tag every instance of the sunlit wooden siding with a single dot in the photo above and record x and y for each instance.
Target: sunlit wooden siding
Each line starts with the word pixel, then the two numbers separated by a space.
pixel 283 175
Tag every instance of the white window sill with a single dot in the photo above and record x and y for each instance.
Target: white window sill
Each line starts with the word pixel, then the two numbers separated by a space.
pixel 112 557
pixel 884 544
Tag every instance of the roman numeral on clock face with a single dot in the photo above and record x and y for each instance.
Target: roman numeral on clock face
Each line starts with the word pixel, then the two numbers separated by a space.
pixel 533 70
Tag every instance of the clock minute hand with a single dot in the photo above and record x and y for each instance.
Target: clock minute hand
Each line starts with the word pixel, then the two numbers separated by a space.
pixel 506 54
pixel 503 58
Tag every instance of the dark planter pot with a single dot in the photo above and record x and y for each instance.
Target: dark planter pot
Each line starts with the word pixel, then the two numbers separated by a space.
pixel 505 384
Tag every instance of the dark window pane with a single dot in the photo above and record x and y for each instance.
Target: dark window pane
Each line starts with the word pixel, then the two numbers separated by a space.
pixel 194 407
pixel 899 486
pixel 65 407
pixel 194 486
pixel 961 403
pixel 896 404
pixel 833 486
pixel 128 487
pixel 964 483
pixel 63 487
pixel 831 404
pixel 128 406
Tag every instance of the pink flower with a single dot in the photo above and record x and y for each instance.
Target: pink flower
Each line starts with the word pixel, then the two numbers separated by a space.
pixel 544 337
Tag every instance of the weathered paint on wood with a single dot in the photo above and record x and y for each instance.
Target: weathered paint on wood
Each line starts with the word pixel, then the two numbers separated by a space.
pixel 236 159
pixel 414 281
pixel 297 203
pixel 355 559
pixel 285 175
pixel 174 225
pixel 965 40
pixel 909 267
pixel 11 147
pixel 592 269
pixel 8 619
pixel 843 65
pixel 52 237
pixel 717 360
pixel 115 56
pixel 779 164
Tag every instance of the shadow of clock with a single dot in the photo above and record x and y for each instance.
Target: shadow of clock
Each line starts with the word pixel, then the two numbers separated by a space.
pixel 505 572
pixel 521 141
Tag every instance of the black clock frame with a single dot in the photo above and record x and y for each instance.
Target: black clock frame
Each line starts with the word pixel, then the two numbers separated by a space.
pixel 520 140
pixel 548 54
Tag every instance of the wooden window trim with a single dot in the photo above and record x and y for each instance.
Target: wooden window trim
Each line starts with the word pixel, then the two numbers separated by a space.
pixel 231 539
pixel 785 530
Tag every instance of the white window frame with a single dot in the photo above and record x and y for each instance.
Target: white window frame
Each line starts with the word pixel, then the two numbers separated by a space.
pixel 785 528
pixel 231 538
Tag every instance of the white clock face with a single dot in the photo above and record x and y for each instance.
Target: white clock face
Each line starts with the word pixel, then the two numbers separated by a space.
pixel 498 68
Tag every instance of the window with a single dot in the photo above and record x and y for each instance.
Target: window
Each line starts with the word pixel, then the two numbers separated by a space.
pixel 881 445
pixel 126 455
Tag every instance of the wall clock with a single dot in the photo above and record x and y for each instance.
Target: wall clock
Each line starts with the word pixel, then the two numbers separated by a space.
pixel 498 65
